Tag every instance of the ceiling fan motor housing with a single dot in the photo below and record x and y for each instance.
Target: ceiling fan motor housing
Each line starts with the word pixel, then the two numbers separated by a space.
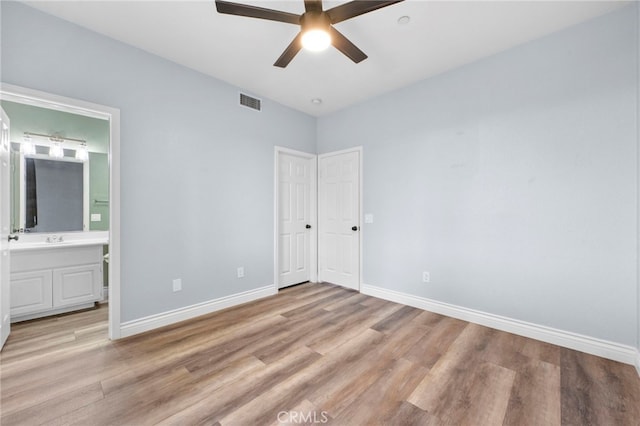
pixel 315 21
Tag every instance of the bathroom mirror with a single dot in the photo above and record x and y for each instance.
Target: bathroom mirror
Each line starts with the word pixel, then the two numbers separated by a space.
pixel 53 194
pixel 58 193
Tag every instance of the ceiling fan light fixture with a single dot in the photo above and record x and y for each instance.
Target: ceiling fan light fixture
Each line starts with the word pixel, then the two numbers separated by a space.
pixel 316 40
pixel 316 25
pixel 315 31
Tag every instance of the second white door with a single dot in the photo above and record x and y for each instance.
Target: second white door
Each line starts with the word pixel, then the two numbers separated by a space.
pixel 296 216
pixel 339 218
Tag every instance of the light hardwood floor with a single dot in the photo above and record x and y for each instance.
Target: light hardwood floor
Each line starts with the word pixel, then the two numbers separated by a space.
pixel 315 353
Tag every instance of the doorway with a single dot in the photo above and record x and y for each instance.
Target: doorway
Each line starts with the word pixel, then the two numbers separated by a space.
pixel 58 104
pixel 295 218
pixel 317 217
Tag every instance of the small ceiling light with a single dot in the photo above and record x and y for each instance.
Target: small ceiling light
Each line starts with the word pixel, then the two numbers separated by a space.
pixel 56 150
pixel 316 101
pixel 404 20
pixel 27 147
pixel 82 153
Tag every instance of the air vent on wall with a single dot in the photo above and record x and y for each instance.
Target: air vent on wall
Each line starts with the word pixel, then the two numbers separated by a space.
pixel 249 102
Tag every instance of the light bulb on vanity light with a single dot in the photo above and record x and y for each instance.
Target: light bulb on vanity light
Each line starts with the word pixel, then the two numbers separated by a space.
pixel 82 153
pixel 56 150
pixel 27 147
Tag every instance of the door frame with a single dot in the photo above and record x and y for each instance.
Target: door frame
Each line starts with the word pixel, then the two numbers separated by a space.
pixel 41 99
pixel 313 208
pixel 359 150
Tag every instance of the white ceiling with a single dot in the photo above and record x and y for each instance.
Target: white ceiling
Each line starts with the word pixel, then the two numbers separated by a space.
pixel 440 36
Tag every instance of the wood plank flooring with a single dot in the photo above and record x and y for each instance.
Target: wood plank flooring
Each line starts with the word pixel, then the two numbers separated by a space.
pixel 313 354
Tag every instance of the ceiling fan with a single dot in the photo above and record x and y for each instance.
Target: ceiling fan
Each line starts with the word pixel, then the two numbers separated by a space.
pixel 316 25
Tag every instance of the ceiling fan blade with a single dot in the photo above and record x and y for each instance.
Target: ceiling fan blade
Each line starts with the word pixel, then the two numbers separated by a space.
pixel 289 52
pixel 313 5
pixel 343 44
pixel 356 8
pixel 237 9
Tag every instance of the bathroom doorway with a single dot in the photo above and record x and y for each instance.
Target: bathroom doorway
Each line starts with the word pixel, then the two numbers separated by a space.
pixel 65 150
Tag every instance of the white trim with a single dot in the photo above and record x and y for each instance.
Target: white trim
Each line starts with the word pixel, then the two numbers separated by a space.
pixel 152 322
pixel 638 362
pixel 579 342
pixel 75 106
pixel 360 215
pixel 115 326
pixel 86 192
pixel 40 99
pixel 313 208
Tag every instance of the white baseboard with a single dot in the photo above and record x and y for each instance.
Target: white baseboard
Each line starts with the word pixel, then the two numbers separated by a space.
pixel 151 322
pixel 638 361
pixel 582 343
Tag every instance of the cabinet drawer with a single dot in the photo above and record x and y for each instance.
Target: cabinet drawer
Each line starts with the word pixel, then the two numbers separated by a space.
pixel 77 284
pixel 31 292
pixel 55 257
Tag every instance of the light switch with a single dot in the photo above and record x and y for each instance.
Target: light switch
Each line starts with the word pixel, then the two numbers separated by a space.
pixel 368 218
pixel 96 217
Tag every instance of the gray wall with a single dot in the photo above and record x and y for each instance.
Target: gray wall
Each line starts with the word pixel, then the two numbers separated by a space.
pixel 196 169
pixel 638 173
pixel 512 180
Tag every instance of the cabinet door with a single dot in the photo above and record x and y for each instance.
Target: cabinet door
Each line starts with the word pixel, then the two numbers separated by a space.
pixel 76 284
pixel 30 292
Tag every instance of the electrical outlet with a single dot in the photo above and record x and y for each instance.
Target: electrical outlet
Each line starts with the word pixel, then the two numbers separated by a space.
pixel 426 277
pixel 177 284
pixel 241 272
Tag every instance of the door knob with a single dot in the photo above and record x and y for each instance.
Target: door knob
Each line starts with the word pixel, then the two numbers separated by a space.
pixel 308 226
pixel 12 237
pixel 354 228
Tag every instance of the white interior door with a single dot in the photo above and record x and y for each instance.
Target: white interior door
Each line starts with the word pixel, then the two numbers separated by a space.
pixel 5 305
pixel 339 218
pixel 296 218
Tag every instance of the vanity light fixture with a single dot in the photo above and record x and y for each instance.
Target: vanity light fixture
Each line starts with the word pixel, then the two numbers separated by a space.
pixel 27 147
pixel 56 144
